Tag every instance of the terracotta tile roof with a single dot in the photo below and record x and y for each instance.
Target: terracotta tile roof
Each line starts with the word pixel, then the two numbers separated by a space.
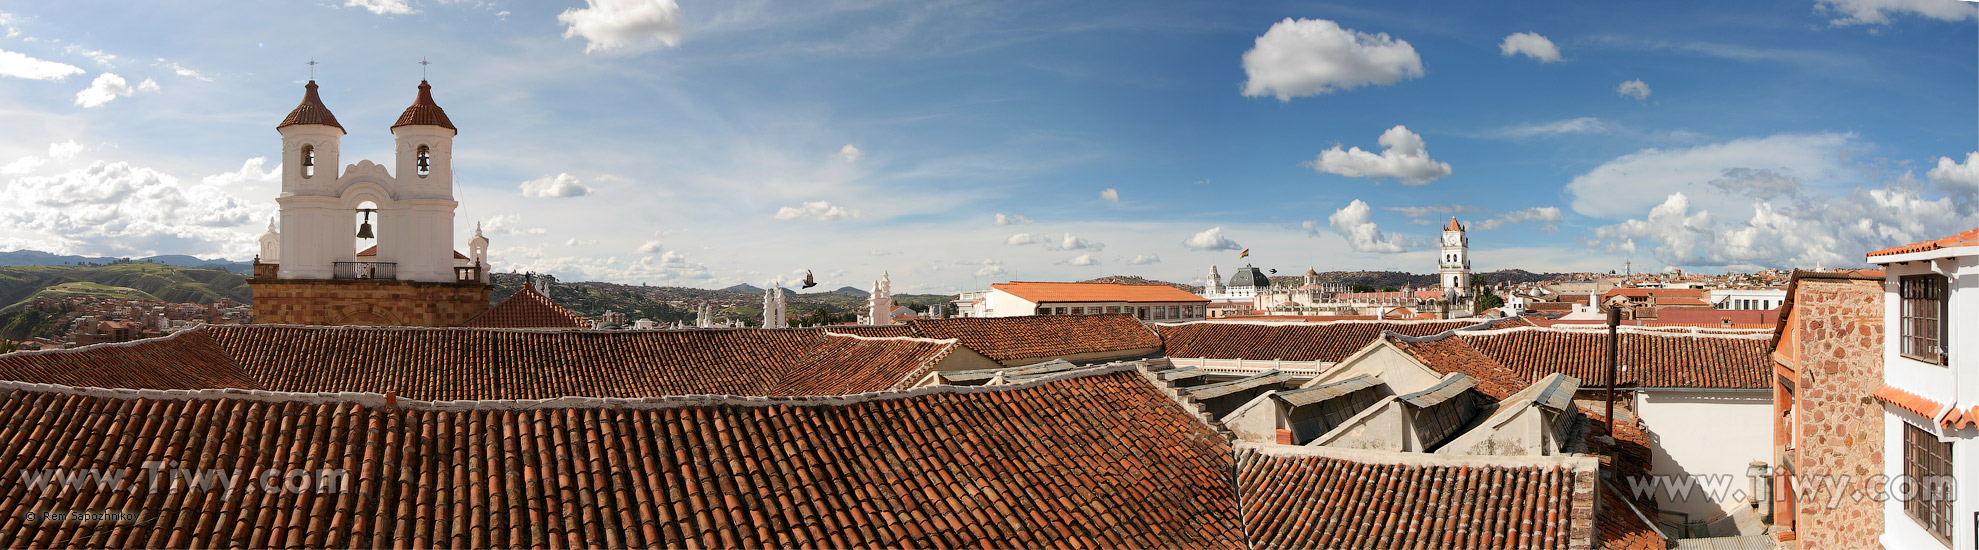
pixel 310 111
pixel 1661 294
pixel 183 360
pixel 1429 294
pixel 1649 358
pixel 1631 458
pixel 1967 238
pixel 1446 353
pixel 876 331
pixel 424 112
pixel 1710 318
pixel 1292 501
pixel 1007 338
pixel 527 308
pixel 1102 461
pixel 1453 225
pixel 1926 407
pixel 1327 342
pixel 1097 292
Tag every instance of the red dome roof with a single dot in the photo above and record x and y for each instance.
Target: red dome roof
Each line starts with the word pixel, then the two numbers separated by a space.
pixel 1453 225
pixel 311 111
pixel 424 112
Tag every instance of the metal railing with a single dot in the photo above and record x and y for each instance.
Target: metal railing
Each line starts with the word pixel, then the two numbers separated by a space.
pixel 365 270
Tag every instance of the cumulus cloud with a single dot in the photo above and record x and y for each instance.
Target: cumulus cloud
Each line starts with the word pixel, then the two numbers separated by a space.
pixel 1804 232
pixel 65 150
pixel 1762 184
pixel 1545 215
pixel 1306 57
pixel 1355 223
pixel 118 209
pixel 1021 239
pixel 148 85
pixel 623 25
pixel 1210 240
pixel 1066 242
pixel 850 153
pixel 991 271
pixel 106 87
pixel 22 165
pixel 650 247
pixel 1632 183
pixel 1878 12
pixel 1582 125
pixel 1437 210
pixel 1011 219
pixel 1110 195
pixel 1634 88
pixel 182 70
pixel 101 58
pixel 381 7
pixel 509 224
pixel 19 65
pixel 561 185
pixel 1530 44
pixel 1958 178
pixel 817 210
pixel 250 176
pixel 1083 260
pixel 1405 157
pixel 1144 259
pixel 574 241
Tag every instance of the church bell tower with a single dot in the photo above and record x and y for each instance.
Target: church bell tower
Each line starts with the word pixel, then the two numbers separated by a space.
pixel 1455 264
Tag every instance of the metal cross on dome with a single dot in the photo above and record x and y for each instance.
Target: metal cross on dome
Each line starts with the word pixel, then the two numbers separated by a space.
pixel 312 68
pixel 422 67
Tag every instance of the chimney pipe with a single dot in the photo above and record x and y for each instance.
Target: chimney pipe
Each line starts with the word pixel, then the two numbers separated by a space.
pixel 1614 319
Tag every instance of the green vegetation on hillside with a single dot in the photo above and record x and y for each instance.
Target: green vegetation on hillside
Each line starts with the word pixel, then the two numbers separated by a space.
pixel 668 304
pixel 148 280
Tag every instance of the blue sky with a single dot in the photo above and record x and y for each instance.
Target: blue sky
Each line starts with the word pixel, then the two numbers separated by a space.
pixel 955 144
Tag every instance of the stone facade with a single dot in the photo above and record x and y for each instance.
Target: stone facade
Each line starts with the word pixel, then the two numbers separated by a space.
pixel 366 302
pixel 1836 426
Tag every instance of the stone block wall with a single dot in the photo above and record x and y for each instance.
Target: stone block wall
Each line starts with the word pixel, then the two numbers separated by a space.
pixel 1840 426
pixel 367 302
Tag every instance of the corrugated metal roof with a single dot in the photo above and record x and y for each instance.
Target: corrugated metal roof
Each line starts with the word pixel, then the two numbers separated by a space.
pixel 1171 375
pixel 1307 396
pixel 1221 389
pixel 1450 386
pixel 977 375
pixel 1558 393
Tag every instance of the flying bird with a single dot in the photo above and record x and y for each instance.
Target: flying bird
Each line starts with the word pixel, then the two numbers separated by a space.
pixel 808 280
pixel 1274 272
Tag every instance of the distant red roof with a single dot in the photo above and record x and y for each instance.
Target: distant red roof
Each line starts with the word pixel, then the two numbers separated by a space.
pixel 527 308
pixel 1326 342
pixel 1042 336
pixel 1097 292
pixel 1659 293
pixel 1648 359
pixel 1716 318
pixel 424 112
pixel 1968 238
pixel 311 111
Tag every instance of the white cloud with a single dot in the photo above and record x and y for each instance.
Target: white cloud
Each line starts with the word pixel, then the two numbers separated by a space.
pixel 1144 259
pixel 19 65
pixel 1355 224
pixel 1021 239
pixel 117 209
pixel 22 165
pixel 627 25
pixel 249 177
pixel 1547 215
pixel 1083 260
pixel 65 150
pixel 818 210
pixel 574 241
pixel 381 7
pixel 1634 88
pixel 1307 57
pixel 1825 230
pixel 1878 12
pixel 148 85
pixel 101 58
pixel 1110 195
pixel 1434 210
pixel 1959 178
pixel 1069 242
pixel 1011 219
pixel 1405 157
pixel 182 70
pixel 106 87
pixel 991 271
pixel 650 247
pixel 509 224
pixel 850 153
pixel 1632 183
pixel 561 185
pixel 1530 44
pixel 1209 240
pixel 1582 125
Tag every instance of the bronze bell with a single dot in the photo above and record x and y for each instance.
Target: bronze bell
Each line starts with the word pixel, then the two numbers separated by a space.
pixel 364 230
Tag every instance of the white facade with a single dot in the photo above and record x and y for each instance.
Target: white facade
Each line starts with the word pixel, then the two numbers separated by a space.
pixel 1707 433
pixel 1954 385
pixel 1454 266
pixel 414 223
pixel 1748 298
pixel 773 307
pixel 879 303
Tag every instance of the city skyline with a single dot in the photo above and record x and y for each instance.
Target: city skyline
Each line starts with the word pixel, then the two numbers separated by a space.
pixel 955 146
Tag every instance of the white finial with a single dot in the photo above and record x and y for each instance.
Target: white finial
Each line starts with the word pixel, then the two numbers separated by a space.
pixel 477 229
pixel 271 224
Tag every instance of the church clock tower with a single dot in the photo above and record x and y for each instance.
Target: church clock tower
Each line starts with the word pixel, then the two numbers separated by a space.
pixel 1455 264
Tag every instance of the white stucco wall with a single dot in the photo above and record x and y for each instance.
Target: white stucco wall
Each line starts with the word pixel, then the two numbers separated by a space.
pixel 1956 383
pixel 1703 433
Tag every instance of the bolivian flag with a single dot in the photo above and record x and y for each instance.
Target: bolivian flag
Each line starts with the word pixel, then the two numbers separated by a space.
pixel 1247 253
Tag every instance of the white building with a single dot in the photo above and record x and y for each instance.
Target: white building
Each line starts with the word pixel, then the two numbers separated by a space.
pixel 879 303
pixel 1931 392
pixel 1748 298
pixel 1145 302
pixel 1454 266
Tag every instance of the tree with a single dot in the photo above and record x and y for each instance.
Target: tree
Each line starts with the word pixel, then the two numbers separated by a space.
pixel 1362 288
pixel 1488 301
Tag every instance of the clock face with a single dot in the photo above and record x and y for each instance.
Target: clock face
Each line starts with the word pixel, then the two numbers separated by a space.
pixel 1452 239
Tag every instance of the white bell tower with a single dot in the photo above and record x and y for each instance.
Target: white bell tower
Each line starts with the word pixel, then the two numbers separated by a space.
pixel 314 222
pixel 1455 264
pixel 424 233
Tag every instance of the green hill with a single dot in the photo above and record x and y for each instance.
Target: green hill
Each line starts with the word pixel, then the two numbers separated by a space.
pixel 137 280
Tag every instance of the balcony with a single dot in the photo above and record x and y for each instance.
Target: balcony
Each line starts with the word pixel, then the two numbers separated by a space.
pixel 365 270
pixel 471 274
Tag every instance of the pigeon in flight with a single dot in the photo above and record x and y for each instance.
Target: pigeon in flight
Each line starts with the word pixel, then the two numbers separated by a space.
pixel 809 281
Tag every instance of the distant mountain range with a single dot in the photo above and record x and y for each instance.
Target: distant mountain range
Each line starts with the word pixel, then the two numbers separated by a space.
pixel 36 257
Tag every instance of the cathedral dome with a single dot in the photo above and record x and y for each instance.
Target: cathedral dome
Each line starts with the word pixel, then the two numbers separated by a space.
pixel 311 111
pixel 424 112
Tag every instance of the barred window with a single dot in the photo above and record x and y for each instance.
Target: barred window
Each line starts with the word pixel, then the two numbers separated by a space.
pixel 1928 464
pixel 1925 306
